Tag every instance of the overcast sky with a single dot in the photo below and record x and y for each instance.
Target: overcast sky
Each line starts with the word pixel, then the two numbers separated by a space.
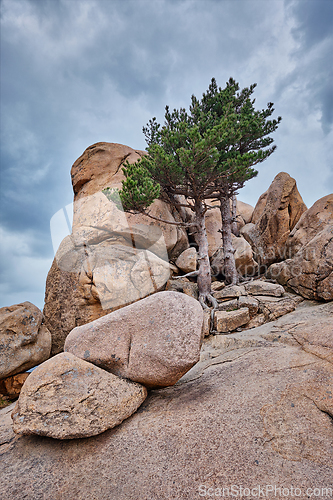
pixel 76 72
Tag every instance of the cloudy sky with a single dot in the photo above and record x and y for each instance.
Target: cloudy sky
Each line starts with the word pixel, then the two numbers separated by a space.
pixel 76 72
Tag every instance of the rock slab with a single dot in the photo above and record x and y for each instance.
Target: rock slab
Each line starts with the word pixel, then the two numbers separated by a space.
pixel 66 398
pixel 154 341
pixel 24 341
pixel 253 412
pixel 228 321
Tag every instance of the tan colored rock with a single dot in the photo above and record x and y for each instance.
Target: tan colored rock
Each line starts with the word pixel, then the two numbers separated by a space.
pixel 99 167
pixel 213 223
pixel 251 303
pixel 256 321
pixel 85 283
pixel 259 287
pixel 228 321
pixel 212 416
pixel 206 322
pixel 284 207
pixel 228 305
pixel 67 398
pixel 259 208
pixel 153 341
pixel 11 386
pixel 183 285
pixel 245 211
pixel 312 222
pixel 274 307
pixel 310 271
pixel 230 292
pixel 187 261
pixel 217 286
pixel 24 340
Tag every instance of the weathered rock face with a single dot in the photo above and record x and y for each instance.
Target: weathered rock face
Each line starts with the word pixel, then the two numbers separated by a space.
pixel 111 259
pixel 256 410
pixel 99 167
pixel 283 208
pixel 310 271
pixel 311 223
pixel 24 341
pixel 154 341
pixel 66 398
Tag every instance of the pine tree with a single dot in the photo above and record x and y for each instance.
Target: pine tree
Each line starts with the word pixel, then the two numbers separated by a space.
pixel 198 156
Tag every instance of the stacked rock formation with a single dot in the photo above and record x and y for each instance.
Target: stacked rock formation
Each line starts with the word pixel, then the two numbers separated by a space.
pixel 102 377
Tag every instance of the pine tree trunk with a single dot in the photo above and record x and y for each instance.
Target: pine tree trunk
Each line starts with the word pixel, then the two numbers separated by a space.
pixel 230 270
pixel 204 279
pixel 234 227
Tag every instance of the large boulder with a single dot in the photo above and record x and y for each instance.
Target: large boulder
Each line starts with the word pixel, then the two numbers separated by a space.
pixel 24 340
pixel 282 210
pixel 66 398
pixel 99 167
pixel 311 223
pixel 256 410
pixel 87 282
pixel 310 271
pixel 153 341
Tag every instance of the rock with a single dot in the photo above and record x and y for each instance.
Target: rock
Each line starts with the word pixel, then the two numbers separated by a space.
pixel 250 302
pixel 177 440
pixel 217 286
pixel 183 285
pixel 78 291
pixel 206 322
pixel 310 271
pixel 259 208
pixel 11 386
pixel 259 287
pixel 66 398
pixel 245 263
pixel 187 261
pixel 24 341
pixel 284 207
pixel 85 283
pixel 258 320
pixel 311 223
pixel 273 307
pixel 245 211
pixel 228 305
pixel 230 292
pixel 228 321
pixel 99 167
pixel 153 341
pixel 213 223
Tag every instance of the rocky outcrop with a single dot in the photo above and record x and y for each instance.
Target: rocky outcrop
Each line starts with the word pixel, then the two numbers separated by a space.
pixel 310 271
pixel 283 207
pixel 24 340
pixel 111 258
pixel 153 342
pixel 67 398
pixel 256 410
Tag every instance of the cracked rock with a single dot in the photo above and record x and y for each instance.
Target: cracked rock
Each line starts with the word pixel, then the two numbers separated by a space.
pixel 154 341
pixel 66 398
